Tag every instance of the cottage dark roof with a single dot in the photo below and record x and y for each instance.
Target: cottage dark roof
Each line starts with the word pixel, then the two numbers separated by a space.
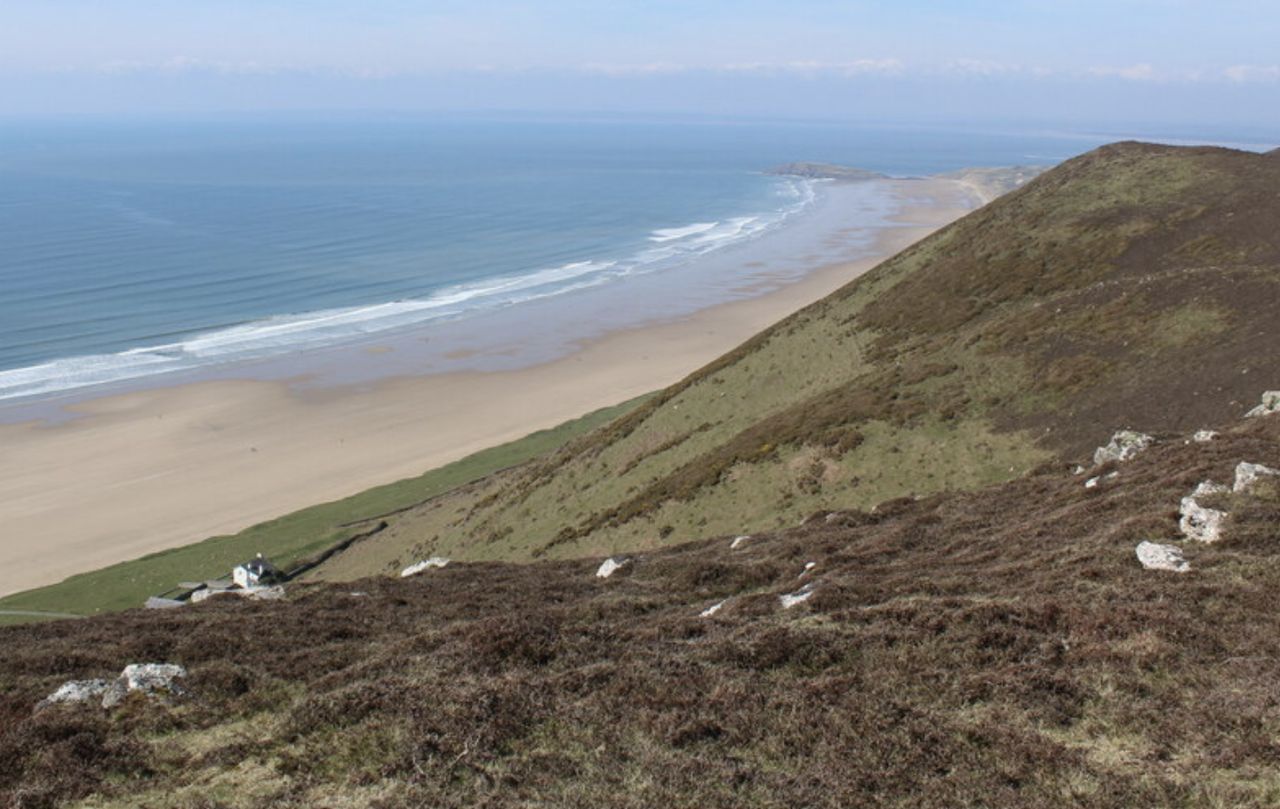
pixel 260 566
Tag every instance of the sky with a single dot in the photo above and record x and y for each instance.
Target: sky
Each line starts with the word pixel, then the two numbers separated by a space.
pixel 1105 62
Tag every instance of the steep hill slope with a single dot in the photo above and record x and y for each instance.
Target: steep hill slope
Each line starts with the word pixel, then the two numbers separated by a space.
pixel 1136 285
pixel 1000 648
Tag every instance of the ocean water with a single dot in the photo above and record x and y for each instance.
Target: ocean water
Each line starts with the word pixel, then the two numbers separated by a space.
pixel 132 251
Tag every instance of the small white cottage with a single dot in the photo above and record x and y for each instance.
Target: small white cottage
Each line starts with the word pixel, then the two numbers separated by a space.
pixel 257 572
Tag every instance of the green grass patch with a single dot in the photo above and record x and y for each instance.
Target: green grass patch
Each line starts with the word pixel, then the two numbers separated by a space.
pixel 30 617
pixel 288 539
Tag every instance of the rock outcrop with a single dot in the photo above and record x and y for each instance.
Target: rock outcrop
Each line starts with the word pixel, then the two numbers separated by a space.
pixel 713 609
pixel 1092 483
pixel 1155 556
pixel 75 692
pixel 1270 404
pixel 1123 446
pixel 426 564
pixel 1247 474
pixel 611 565
pixel 156 680
pixel 148 679
pixel 1200 523
pixel 798 597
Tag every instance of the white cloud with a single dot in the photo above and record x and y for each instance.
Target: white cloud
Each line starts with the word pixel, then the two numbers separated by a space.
pixel 182 64
pixel 856 67
pixel 1139 72
pixel 882 68
pixel 645 69
pixel 986 67
pixel 1247 73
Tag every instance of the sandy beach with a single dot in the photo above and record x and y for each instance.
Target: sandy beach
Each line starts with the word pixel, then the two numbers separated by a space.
pixel 144 471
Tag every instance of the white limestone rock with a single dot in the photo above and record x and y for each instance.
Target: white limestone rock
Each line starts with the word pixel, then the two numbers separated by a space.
pixel 148 679
pixel 75 692
pixel 1204 436
pixel 1270 404
pixel 1154 556
pixel 1248 474
pixel 610 566
pixel 713 609
pixel 738 542
pixel 426 564
pixel 1200 523
pixel 1123 446
pixel 798 597
pixel 1207 488
pixel 1092 483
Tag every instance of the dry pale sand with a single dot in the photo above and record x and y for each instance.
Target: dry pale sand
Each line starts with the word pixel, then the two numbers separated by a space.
pixel 145 471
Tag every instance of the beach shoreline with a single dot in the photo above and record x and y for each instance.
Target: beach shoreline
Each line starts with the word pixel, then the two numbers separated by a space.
pixel 147 470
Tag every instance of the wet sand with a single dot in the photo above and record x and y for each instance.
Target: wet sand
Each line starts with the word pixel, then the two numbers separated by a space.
pixel 147 470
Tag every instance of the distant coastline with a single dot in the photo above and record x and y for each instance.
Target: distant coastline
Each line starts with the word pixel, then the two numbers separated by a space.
pixel 825 171
pixel 161 255
pixel 986 183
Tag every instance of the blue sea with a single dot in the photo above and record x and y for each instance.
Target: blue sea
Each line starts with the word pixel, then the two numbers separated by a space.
pixel 131 251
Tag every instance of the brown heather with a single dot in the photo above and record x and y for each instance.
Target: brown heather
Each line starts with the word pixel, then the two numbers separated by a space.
pixel 1001 648
pixel 1134 286
pixel 998 646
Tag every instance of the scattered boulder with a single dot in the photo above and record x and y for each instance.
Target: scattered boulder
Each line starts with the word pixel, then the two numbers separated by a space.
pixel 738 542
pixel 148 679
pixel 713 609
pixel 1092 483
pixel 1154 556
pixel 1200 523
pixel 611 565
pixel 1204 436
pixel 1207 488
pixel 1248 474
pixel 426 564
pixel 75 692
pixel 1124 445
pixel 808 567
pixel 1270 404
pixel 798 597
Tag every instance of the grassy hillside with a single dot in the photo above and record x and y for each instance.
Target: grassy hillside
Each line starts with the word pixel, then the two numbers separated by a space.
pixel 287 540
pixel 1134 286
pixel 1000 648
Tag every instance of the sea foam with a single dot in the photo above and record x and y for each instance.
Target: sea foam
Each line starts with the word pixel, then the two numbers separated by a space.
pixel 670 234
pixel 281 334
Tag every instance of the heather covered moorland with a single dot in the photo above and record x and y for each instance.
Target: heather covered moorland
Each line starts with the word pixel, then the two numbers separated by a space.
pixel 895 575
